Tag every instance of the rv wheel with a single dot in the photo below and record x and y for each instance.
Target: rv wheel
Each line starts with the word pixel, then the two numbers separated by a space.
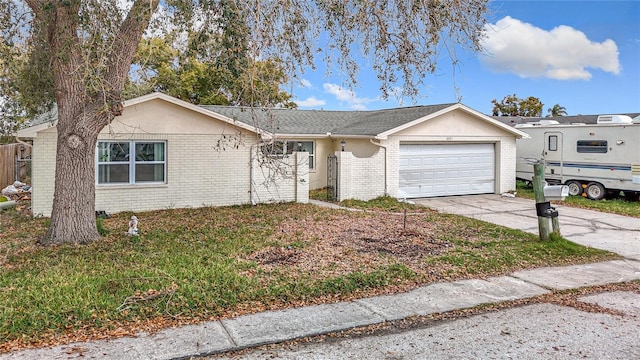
pixel 575 188
pixel 595 191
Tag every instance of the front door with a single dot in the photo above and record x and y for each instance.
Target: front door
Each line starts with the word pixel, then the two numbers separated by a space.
pixel 553 155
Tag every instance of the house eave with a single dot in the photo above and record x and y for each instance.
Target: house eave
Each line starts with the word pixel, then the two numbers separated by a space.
pixel 321 136
pixel 32 131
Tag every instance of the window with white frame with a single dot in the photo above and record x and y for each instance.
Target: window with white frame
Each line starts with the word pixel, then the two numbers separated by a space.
pixel 131 162
pixel 287 147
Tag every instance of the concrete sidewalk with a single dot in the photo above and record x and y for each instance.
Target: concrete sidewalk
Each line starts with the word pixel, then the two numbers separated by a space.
pixel 276 326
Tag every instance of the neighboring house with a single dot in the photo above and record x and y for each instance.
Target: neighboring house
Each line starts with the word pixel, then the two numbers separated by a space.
pixel 191 156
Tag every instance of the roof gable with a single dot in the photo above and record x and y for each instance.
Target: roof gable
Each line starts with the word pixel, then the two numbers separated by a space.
pixel 142 103
pixel 188 106
pixel 483 119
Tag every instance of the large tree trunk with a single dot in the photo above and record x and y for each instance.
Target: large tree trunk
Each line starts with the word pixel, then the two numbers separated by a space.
pixel 73 214
pixel 83 109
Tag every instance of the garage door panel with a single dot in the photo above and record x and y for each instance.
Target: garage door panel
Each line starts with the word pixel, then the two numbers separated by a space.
pixel 452 169
pixel 416 177
pixel 465 174
pixel 439 175
pixel 428 161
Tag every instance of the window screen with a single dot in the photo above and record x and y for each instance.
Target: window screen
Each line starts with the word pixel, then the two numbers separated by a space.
pixel 553 142
pixel 592 146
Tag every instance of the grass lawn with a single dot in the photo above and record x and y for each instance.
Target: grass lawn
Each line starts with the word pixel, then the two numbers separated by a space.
pixel 192 265
pixel 615 206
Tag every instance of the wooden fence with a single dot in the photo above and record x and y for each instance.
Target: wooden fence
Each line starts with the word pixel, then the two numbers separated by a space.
pixel 15 164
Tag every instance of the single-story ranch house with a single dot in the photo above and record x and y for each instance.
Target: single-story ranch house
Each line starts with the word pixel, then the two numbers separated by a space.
pixel 183 155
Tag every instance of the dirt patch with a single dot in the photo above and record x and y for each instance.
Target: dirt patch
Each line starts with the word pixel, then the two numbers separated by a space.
pixel 274 256
pixel 344 244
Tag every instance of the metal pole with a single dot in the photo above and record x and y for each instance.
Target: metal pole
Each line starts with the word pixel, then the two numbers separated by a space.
pixel 404 223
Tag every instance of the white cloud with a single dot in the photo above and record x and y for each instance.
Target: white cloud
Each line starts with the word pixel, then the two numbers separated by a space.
pixel 305 83
pixel 310 102
pixel 562 53
pixel 348 96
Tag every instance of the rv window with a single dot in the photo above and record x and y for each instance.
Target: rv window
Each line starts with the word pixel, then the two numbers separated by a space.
pixel 592 146
pixel 553 142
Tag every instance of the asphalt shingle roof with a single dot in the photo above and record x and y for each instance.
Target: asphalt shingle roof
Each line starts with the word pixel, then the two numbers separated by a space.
pixel 321 122
pixel 345 123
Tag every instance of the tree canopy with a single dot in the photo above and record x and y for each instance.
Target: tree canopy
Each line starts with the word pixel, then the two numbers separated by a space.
pixel 209 66
pixel 557 110
pixel 512 105
pixel 83 51
pixel 161 66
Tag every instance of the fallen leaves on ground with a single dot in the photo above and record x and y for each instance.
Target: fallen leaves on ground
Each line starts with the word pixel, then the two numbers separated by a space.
pixel 319 247
pixel 344 244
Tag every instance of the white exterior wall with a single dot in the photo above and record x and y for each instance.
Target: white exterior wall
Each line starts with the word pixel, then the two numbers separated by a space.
pixel 43 167
pixel 359 148
pixel 301 183
pixel 318 176
pixel 197 174
pixel 506 161
pixel 392 145
pixel 360 178
pixel 288 183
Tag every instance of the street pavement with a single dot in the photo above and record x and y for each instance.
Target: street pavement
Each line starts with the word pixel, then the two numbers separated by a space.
pixel 529 332
pixel 539 331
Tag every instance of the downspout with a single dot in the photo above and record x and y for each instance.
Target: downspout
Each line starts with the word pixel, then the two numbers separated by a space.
pixel 386 192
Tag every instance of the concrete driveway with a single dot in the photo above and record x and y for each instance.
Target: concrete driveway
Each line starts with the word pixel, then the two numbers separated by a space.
pixel 615 233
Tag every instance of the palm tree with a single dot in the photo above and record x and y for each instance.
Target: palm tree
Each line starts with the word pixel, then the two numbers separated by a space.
pixel 557 110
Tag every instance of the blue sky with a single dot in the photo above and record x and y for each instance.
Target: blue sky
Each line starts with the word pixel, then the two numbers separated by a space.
pixel 583 55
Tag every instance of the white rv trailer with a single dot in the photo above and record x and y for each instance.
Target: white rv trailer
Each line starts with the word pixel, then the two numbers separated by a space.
pixel 591 159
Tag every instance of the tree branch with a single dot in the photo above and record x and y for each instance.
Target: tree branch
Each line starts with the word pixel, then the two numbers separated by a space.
pixel 125 43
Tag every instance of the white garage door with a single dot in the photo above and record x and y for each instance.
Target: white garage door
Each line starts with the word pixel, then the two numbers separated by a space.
pixel 451 169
